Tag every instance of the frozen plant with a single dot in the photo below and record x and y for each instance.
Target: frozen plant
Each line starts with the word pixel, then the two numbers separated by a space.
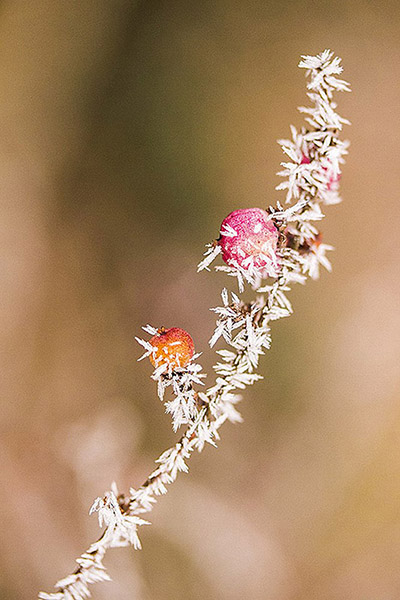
pixel 266 250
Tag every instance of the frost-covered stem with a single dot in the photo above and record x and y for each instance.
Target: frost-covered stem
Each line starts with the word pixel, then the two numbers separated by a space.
pixel 121 511
pixel 311 180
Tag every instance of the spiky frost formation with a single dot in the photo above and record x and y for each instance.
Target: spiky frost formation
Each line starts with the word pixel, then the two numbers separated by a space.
pixel 244 326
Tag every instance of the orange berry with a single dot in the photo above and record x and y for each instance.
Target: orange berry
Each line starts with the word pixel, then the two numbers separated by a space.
pixel 174 347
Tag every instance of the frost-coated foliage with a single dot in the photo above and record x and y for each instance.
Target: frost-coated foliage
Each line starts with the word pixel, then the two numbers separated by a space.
pixel 311 179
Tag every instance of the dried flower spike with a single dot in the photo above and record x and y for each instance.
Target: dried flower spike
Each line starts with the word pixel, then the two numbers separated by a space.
pixel 173 347
pixel 249 240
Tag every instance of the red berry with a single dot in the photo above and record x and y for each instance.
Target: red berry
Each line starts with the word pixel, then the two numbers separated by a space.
pixel 174 347
pixel 333 181
pixel 249 239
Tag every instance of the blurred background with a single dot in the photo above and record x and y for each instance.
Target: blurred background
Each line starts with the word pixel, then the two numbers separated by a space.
pixel 128 130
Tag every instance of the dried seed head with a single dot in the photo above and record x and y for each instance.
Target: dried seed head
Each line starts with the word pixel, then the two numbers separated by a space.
pixel 173 347
pixel 249 240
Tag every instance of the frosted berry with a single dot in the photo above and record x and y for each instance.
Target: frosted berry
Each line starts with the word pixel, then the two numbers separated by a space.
pixel 173 347
pixel 249 240
pixel 333 178
pixel 333 182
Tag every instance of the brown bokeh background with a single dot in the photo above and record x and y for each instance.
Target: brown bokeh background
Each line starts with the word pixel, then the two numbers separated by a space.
pixel 128 130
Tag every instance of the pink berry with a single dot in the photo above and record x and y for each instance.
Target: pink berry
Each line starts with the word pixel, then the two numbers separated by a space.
pixel 333 179
pixel 249 240
pixel 333 182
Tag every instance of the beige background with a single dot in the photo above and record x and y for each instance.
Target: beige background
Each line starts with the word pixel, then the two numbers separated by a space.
pixel 127 131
